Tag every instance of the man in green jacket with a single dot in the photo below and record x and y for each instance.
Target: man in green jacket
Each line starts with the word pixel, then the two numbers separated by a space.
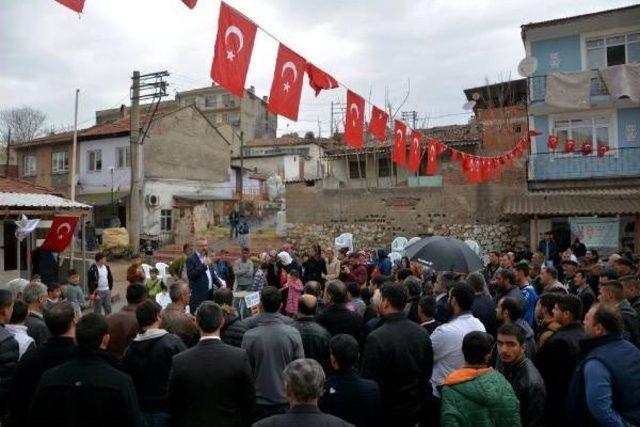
pixel 477 395
pixel 177 268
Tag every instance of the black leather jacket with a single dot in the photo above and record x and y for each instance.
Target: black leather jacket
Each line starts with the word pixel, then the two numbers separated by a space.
pixel 529 387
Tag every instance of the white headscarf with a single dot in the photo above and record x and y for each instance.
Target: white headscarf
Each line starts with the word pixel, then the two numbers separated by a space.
pixel 285 258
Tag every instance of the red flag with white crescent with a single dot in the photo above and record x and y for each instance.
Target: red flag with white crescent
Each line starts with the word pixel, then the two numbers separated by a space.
pixel 232 53
pixel 75 5
pixel 415 151
pixel 399 143
pixel 432 157
pixel 286 87
pixel 190 3
pixel 319 79
pixel 60 234
pixel 378 124
pixel 354 122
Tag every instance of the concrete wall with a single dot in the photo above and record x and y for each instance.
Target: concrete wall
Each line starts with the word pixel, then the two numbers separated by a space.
pixel 183 145
pixel 100 181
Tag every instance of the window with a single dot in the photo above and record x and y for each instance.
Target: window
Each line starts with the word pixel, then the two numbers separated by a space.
pixel 593 129
pixel 613 50
pixel 228 100
pixel 165 219
pixel 29 165
pixel 233 119
pixel 123 158
pixel 94 160
pixel 211 101
pixel 357 169
pixel 385 166
pixel 60 162
pixel 517 128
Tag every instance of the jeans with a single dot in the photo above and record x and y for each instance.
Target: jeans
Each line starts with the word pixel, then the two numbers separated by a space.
pixel 104 303
pixel 158 419
pixel 233 228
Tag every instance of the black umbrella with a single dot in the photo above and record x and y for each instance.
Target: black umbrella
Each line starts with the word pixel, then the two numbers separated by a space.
pixel 444 254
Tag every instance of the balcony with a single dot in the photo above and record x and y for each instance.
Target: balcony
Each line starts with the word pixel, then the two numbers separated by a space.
pixel 617 163
pixel 537 86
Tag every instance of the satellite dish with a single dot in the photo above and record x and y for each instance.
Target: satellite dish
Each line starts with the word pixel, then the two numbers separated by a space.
pixel 528 66
pixel 467 106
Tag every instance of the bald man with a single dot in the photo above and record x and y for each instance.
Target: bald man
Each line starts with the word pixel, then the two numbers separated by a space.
pixel 316 340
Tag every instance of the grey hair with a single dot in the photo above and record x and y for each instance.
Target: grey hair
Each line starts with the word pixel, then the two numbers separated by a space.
pixel 477 282
pixel 304 378
pixel 175 290
pixel 16 287
pixel 33 292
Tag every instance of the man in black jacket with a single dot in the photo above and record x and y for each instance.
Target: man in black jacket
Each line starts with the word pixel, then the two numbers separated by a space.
pixel 9 349
pixel 315 338
pixel 522 375
pixel 211 383
pixel 483 307
pixel 347 395
pixel 233 328
pixel 100 283
pixel 612 293
pixel 35 296
pixel 86 390
pixel 337 318
pixel 304 384
pixel 55 351
pixel 148 361
pixel 557 358
pixel 399 357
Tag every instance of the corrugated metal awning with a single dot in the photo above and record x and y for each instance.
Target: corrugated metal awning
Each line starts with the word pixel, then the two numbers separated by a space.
pixel 103 199
pixel 565 203
pixel 34 200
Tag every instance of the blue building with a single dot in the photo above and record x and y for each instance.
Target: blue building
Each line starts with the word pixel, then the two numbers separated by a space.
pixel 594 196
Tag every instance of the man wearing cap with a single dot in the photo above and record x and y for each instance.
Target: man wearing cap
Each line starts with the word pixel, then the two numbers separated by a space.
pixel 569 268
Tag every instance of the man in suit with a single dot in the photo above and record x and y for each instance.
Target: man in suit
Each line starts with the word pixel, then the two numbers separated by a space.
pixel 304 384
pixel 211 384
pixel 201 274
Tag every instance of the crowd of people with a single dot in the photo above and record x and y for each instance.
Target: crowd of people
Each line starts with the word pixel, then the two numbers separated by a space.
pixel 340 338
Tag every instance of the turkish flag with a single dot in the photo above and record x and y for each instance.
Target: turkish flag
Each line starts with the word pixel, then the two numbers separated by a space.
pixel 485 170
pixel 286 87
pixel 399 143
pixel 432 157
pixel 190 3
pixel 497 167
pixel 319 80
pixel 75 5
pixel 60 234
pixel 378 124
pixel 415 151
pixel 232 53
pixel 354 122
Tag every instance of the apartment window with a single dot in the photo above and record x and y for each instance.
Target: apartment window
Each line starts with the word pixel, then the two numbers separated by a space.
pixel 123 158
pixel 233 119
pixel 211 101
pixel 29 165
pixel 94 160
pixel 517 128
pixel 592 129
pixel 228 100
pixel 165 219
pixel 613 50
pixel 385 167
pixel 357 169
pixel 60 162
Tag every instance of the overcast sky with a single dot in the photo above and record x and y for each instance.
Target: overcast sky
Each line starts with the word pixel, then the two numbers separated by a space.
pixel 441 46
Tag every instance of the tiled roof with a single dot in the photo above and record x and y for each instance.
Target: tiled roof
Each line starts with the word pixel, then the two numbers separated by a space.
pixel 15 185
pixel 576 202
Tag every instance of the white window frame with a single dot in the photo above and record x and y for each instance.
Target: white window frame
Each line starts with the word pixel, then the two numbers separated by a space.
pixel 613 130
pixel 604 34
pixel 58 158
pixel 163 219
pixel 211 101
pixel 126 159
pixel 29 165
pixel 93 167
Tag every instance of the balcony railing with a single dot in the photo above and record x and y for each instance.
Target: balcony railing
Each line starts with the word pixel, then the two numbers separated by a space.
pixel 621 162
pixel 538 86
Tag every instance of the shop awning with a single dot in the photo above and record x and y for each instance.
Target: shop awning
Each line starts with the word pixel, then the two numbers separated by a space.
pixel 102 199
pixel 574 203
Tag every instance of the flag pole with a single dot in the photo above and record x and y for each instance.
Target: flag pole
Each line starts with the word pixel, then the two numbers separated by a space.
pixel 74 147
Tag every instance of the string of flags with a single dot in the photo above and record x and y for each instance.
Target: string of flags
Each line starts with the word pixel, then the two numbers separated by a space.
pixel 232 55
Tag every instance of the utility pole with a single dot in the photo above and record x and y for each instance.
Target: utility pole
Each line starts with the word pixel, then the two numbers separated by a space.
pixel 74 147
pixel 331 124
pixel 6 169
pixel 153 86
pixel 240 202
pixel 410 116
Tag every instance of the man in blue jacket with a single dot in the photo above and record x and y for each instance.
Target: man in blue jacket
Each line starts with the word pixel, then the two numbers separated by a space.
pixel 201 274
pixel 604 389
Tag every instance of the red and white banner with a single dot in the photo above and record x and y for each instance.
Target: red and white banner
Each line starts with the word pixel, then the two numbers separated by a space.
pixel 232 54
pixel 286 87
pixel 319 80
pixel 60 234
pixel 378 124
pixel 354 122
pixel 399 143
pixel 432 157
pixel 415 151
pixel 75 5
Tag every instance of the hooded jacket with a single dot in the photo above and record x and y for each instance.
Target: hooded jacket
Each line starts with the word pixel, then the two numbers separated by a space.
pixel 384 263
pixel 148 361
pixel 478 398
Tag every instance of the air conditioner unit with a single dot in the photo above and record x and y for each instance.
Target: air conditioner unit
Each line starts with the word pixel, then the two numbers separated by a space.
pixel 152 200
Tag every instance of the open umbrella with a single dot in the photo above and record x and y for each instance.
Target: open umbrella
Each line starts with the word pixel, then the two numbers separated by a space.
pixel 444 254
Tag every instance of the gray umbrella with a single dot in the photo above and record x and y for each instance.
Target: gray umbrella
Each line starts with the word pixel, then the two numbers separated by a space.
pixel 444 254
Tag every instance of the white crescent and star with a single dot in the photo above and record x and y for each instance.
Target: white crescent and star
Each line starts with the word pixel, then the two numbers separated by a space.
pixel 289 66
pixel 61 235
pixel 400 134
pixel 233 30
